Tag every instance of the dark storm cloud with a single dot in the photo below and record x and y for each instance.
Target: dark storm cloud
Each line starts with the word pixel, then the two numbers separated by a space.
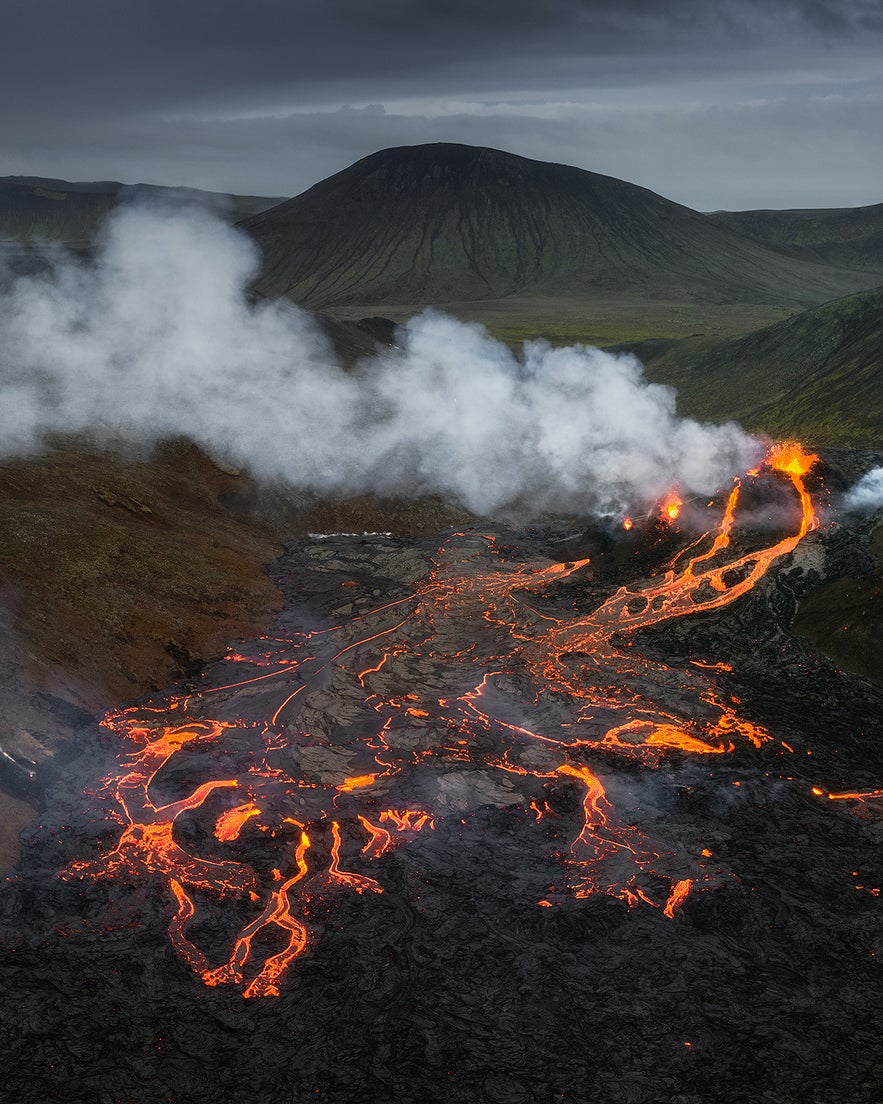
pixel 181 91
pixel 111 54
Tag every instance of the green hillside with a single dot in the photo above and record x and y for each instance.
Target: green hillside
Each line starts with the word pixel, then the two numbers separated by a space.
pixel 817 376
pixel 441 224
pixel 851 237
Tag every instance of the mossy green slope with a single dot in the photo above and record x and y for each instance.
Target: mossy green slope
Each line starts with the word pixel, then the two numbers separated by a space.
pixel 817 376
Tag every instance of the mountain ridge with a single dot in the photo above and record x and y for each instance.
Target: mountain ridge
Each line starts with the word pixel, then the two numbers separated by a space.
pixel 35 208
pixel 842 236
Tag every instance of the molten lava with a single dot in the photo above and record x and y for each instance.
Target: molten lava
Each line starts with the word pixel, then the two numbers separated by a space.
pixel 671 507
pixel 476 670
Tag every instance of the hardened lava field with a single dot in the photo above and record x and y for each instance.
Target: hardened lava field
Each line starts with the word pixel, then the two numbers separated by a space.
pixel 472 822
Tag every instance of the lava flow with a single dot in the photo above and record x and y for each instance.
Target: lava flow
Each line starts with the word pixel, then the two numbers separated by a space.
pixel 274 793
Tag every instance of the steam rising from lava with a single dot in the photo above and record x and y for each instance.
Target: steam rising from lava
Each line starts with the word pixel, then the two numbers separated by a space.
pixel 157 337
pixel 867 494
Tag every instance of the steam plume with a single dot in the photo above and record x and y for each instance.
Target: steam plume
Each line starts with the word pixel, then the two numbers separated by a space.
pixel 867 494
pixel 157 338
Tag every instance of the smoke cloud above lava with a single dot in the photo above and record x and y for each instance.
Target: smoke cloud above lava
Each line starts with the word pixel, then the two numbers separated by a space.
pixel 157 337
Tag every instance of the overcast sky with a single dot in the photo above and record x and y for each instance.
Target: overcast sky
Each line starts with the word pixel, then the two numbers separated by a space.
pixel 714 103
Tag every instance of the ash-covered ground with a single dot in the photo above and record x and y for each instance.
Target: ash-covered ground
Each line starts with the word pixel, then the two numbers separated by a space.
pixel 471 824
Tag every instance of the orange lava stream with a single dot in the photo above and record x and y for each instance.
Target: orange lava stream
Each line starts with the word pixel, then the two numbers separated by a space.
pixel 231 821
pixel 585 667
pixel 677 896
pixel 855 795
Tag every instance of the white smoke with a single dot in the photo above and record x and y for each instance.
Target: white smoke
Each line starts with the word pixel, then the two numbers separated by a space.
pixel 867 494
pixel 157 338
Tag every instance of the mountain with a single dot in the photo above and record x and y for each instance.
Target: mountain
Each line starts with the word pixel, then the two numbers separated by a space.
pixel 33 208
pixel 817 376
pixel 848 237
pixel 439 224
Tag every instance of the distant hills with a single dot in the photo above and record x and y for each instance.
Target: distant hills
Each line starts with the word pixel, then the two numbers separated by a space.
pixel 849 237
pixel 34 208
pixel 440 224
pixel 817 376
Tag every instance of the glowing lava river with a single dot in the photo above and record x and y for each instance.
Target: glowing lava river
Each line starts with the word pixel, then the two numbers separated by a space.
pixel 479 739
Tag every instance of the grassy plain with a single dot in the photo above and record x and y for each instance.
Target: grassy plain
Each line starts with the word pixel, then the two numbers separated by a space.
pixel 600 320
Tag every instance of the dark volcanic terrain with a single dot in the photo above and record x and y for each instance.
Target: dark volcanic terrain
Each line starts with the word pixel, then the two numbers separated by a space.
pixel 121 573
pixel 492 828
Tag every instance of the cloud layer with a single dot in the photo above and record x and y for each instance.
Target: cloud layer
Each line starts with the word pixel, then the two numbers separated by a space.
pixel 748 103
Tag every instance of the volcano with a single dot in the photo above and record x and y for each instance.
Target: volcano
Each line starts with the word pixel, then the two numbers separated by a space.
pixel 437 224
pixel 492 815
